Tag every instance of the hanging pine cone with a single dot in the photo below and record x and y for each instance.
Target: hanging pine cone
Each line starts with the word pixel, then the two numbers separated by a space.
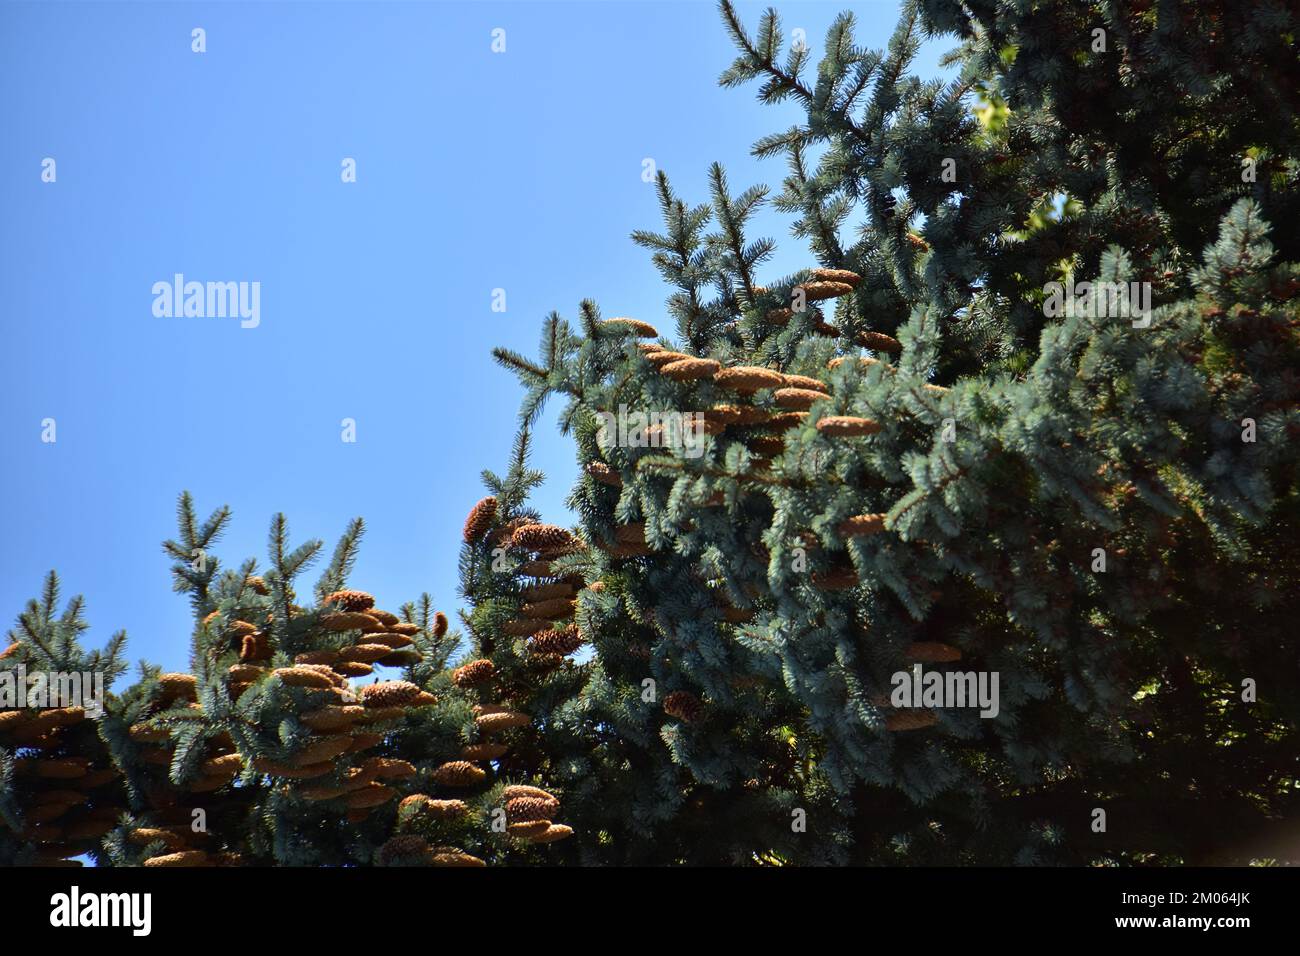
pixel 481 752
pixel 553 641
pixel 255 647
pixel 660 359
pixel 820 291
pixel 846 426
pixel 349 621
pixel 350 600
pixel 837 275
pixel 524 626
pixel 540 537
pixel 549 610
pixel 643 329
pixel 451 856
pixel 683 705
pixel 604 474
pixel 528 809
pixel 179 686
pixel 184 858
pixel 458 773
pixel 475 672
pixel 480 519
pixel 748 379
pixel 393 693
pixel 504 720
pixel 405 849
pixel 547 592
pixel 807 382
pixel 879 342
pixel 353 669
pixel 365 653
pixel 526 831
pixel 556 831
pixel 689 369
pixel 860 525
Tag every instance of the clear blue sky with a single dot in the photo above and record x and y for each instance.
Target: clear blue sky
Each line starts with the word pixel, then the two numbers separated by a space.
pixel 475 171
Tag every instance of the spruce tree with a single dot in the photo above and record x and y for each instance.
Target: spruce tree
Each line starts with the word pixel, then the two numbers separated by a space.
pixel 920 450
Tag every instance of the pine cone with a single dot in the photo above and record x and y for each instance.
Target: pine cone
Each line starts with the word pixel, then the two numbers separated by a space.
pixel 846 426
pixel 393 693
pixel 879 342
pixel 540 537
pixel 386 618
pixel 351 600
pixel 349 621
pixel 184 858
pixel 604 474
pixel 748 379
pixel 179 686
pixel 492 723
pixel 643 329
pixel 808 382
pixel 556 831
pixel 516 790
pixel 837 275
pixel 660 359
pixel 421 804
pixel 690 369
pixel 860 525
pixel 405 849
pixel 527 831
pixel 820 291
pixel 480 519
pixel 458 773
pixel 450 856
pixel 552 641
pixel 365 653
pixel 550 609
pixel 528 809
pixel 481 752
pixel 547 592
pixel 326 657
pixel 800 398
pixel 353 669
pixel 683 705
pixel 475 672
pixel 524 626
pixel 439 624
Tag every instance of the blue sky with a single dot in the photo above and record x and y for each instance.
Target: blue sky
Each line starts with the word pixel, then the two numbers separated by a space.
pixel 475 171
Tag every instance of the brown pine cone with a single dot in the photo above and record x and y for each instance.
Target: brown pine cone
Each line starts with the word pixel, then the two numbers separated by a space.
pixel 552 641
pixel 550 609
pixel 860 525
pixel 836 275
pixel 690 369
pixel 184 858
pixel 405 849
pixel 846 426
pixel 748 379
pixel 350 621
pixel 604 474
pixel 819 291
pixel 475 672
pixel 879 342
pixel 393 693
pixel 179 686
pixel 501 720
pixel 458 773
pixel 526 831
pixel 351 600
pixel 911 720
pixel 683 705
pixel 540 537
pixel 799 398
pixel 642 329
pixel 547 592
pixel 439 624
pixel 528 809
pixel 556 831
pixel 353 669
pixel 450 856
pixel 480 519
pixel 481 752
